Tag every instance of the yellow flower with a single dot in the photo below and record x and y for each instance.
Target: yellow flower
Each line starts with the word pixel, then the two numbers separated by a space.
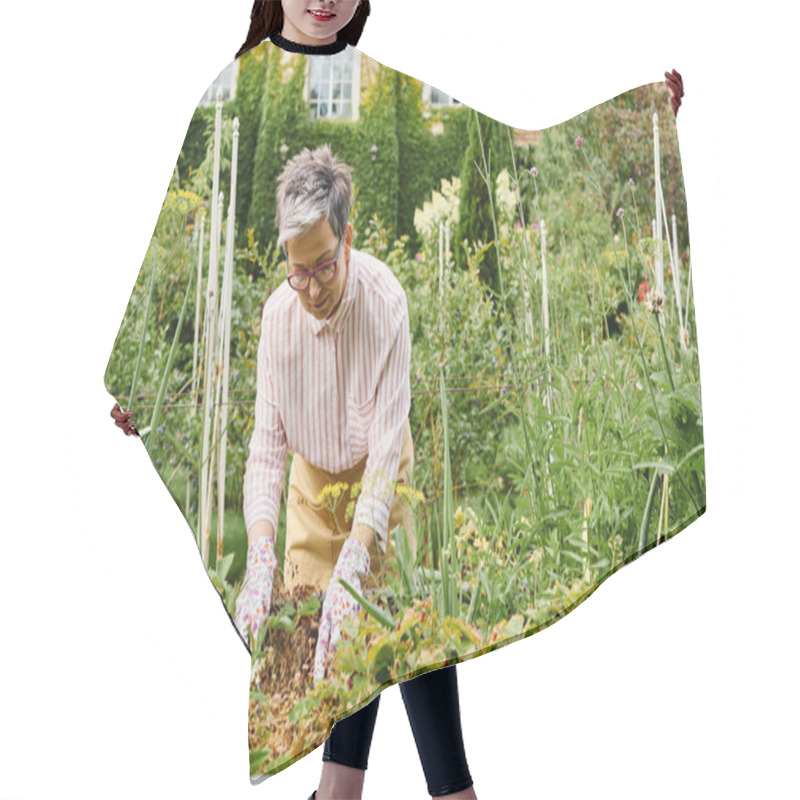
pixel 409 493
pixel 459 518
pixel 331 490
pixel 183 201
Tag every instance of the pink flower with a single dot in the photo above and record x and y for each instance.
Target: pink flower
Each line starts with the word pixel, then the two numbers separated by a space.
pixel 630 181
pixel 534 171
pixel 620 211
pixel 518 226
pixel 418 256
pixel 579 141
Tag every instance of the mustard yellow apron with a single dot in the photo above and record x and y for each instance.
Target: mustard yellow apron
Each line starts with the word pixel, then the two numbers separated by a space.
pixel 313 539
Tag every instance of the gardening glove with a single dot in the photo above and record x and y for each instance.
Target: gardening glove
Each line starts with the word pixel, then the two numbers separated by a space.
pixel 252 604
pixel 353 562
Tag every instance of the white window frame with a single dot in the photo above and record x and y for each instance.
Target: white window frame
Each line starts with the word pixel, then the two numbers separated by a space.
pixel 355 91
pixel 427 93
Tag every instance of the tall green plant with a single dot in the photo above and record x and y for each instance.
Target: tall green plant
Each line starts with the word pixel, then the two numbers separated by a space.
pixel 446 601
pixel 477 196
pixel 162 389
pixel 144 328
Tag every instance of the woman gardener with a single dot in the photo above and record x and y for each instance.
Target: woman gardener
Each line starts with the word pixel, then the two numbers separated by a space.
pixel 333 388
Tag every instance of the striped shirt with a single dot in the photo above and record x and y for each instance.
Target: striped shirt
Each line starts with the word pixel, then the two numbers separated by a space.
pixel 333 390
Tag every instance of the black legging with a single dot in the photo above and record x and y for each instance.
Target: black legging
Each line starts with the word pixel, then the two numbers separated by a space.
pixel 431 701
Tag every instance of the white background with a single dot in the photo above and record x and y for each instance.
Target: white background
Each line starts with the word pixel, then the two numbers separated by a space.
pixel 121 673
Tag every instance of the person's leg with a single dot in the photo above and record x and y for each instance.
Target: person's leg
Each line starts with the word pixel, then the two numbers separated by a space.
pixel 433 710
pixel 346 753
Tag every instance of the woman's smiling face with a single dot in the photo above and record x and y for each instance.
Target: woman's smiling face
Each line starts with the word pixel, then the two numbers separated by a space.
pixel 316 21
pixel 309 250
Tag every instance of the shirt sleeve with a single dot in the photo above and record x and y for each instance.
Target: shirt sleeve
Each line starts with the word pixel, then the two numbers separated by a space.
pixel 385 437
pixel 265 469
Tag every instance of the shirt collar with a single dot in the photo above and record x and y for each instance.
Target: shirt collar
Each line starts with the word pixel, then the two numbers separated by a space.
pixel 335 322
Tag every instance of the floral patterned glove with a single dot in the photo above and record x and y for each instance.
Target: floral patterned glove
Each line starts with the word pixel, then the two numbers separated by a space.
pixel 353 561
pixel 252 604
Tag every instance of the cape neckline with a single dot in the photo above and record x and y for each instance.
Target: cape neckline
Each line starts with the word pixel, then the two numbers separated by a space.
pixel 322 49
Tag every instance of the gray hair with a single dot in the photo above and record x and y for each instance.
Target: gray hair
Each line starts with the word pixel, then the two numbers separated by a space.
pixel 313 185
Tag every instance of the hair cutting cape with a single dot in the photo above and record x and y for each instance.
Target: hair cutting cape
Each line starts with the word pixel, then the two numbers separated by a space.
pixel 543 282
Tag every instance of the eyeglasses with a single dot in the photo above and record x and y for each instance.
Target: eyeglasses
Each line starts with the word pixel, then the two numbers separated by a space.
pixel 324 273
